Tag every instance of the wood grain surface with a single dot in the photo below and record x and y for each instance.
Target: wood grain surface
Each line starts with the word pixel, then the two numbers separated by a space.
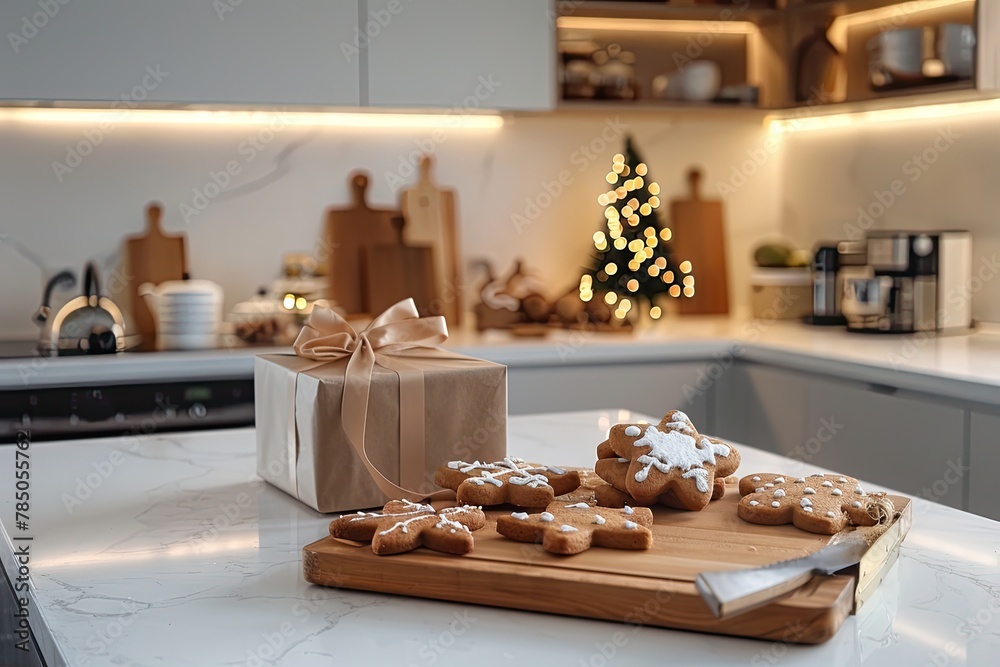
pixel 699 236
pixel 653 587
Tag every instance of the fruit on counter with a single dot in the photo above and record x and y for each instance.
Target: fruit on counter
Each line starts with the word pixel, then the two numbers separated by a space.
pixel 780 255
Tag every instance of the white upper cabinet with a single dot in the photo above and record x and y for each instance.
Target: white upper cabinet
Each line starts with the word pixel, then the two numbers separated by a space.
pixel 494 54
pixel 180 51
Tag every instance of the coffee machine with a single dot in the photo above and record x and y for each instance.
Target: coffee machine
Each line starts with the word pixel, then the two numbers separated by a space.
pixel 915 281
pixel 833 262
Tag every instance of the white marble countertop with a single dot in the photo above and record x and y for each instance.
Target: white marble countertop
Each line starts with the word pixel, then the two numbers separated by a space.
pixel 170 551
pixel 964 367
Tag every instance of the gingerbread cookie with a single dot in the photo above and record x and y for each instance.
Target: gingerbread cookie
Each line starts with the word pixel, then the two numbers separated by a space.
pixel 671 456
pixel 819 503
pixel 509 481
pixel 615 472
pixel 404 526
pixel 569 528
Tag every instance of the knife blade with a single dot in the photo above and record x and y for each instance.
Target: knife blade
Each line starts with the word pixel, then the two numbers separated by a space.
pixel 736 591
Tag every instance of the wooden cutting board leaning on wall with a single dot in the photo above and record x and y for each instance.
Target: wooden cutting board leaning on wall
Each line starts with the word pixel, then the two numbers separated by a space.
pixel 430 219
pixel 350 233
pixel 152 257
pixel 699 236
pixel 399 271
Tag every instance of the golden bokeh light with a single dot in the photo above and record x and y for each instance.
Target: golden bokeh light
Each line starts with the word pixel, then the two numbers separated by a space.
pixel 633 265
pixel 611 268
pixel 649 252
pixel 655 312
pixel 612 177
pixel 654 202
pixel 661 262
pixel 688 291
pixel 603 200
pixel 648 231
pixel 654 188
pixel 626 211
pixel 632 285
pixel 618 158
pixel 620 191
pixel 586 296
pixel 620 243
pixel 638 182
pixel 646 209
pixel 675 291
pixel 618 168
pixel 651 241
pixel 629 185
pixel 685 266
pixel 633 204
pixel 598 237
pixel 625 305
pixel 668 277
pixel 641 169
pixel 635 245
pixel 610 298
pixel 625 171
pixel 688 281
pixel 620 314
pixel 665 233
pixel 633 220
pixel 653 270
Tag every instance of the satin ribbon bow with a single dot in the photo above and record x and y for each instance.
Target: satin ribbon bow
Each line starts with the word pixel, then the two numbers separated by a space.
pixel 327 337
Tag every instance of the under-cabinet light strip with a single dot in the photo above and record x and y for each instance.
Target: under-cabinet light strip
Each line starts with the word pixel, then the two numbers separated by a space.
pixel 342 119
pixel 656 25
pixel 890 17
pixel 806 123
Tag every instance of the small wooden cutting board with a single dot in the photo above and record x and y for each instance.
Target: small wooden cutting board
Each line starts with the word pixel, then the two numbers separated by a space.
pixel 654 588
pixel 350 233
pixel 152 257
pixel 699 236
pixel 398 271
pixel 430 219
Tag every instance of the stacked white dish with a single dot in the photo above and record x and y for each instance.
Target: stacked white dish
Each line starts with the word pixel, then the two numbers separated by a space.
pixel 187 313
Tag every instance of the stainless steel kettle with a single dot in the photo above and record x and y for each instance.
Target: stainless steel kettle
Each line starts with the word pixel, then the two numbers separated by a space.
pixel 87 324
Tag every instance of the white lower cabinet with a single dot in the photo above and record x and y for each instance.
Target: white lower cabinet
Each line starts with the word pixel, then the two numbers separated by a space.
pixel 905 442
pixel 649 388
pixel 762 407
pixel 984 491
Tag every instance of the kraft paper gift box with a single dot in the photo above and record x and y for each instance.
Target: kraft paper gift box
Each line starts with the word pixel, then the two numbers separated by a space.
pixel 354 419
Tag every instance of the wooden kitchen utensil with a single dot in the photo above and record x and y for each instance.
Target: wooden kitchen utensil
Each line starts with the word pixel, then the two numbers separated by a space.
pixel 350 233
pixel 649 588
pixel 397 271
pixel 152 257
pixel 699 236
pixel 430 218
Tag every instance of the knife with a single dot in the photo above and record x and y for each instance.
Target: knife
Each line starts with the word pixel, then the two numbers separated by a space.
pixel 736 591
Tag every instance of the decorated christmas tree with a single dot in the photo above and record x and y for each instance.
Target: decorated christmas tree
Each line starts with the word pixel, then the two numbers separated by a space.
pixel 633 263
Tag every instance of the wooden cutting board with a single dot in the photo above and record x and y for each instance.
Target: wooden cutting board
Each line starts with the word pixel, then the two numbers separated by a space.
pixel 350 233
pixel 699 236
pixel 654 587
pixel 152 257
pixel 397 271
pixel 430 219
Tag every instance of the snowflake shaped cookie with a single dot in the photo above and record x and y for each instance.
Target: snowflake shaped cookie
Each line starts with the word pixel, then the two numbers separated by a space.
pixel 569 528
pixel 508 481
pixel 671 456
pixel 403 526
pixel 819 503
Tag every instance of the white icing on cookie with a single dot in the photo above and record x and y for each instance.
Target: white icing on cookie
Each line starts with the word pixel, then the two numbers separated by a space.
pixel 756 478
pixel 520 516
pixel 856 504
pixel 629 510
pixel 547 517
pixel 754 503
pixel 622 459
pixel 832 515
pixel 520 473
pixel 674 449
pixel 775 504
pixel 805 502
pixel 453 525
pixel 801 480
pixel 842 480
pixel 566 528
pixel 858 490
pixel 808 490
pixel 599 520
pixel 769 486
pixel 631 525
pixel 827 483
pixel 632 431
pixel 578 506
pixel 779 480
pixel 837 492
pixel 759 489
pixel 779 493
pixel 700 478
pixel 808 509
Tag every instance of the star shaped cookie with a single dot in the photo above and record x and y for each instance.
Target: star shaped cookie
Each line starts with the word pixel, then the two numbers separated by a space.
pixel 569 528
pixel 614 471
pixel 403 526
pixel 508 481
pixel 819 503
pixel 671 456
